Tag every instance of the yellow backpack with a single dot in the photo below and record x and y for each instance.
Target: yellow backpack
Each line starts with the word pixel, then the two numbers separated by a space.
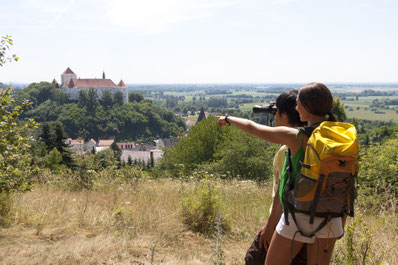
pixel 324 185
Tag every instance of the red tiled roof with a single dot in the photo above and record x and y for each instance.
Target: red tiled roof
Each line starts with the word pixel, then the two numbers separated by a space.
pixel 76 142
pixel 68 71
pixel 96 83
pixel 92 140
pixel 122 84
pixel 105 142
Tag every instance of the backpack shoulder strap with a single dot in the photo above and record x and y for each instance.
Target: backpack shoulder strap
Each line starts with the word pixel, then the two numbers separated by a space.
pixel 306 130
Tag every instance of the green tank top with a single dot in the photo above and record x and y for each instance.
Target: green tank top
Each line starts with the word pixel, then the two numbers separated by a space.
pixel 285 175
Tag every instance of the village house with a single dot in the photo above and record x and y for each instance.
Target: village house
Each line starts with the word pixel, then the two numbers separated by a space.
pixel 77 145
pixel 90 145
pixel 104 144
pixel 165 143
pixel 139 152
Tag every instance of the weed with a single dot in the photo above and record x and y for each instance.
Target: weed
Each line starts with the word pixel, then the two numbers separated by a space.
pixel 218 242
pixel 201 208
pixel 358 247
pixel 5 207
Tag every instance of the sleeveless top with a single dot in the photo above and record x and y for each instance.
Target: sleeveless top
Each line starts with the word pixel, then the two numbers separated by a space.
pixel 299 156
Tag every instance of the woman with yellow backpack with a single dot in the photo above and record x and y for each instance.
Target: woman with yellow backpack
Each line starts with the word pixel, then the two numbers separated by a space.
pixel 315 203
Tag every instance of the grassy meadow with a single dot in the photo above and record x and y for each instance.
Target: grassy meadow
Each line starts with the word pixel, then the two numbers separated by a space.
pixel 139 221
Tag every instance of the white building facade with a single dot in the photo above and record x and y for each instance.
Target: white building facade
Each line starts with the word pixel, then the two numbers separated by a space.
pixel 72 85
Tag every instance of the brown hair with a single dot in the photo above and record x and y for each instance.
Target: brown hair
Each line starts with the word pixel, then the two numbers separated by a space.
pixel 317 100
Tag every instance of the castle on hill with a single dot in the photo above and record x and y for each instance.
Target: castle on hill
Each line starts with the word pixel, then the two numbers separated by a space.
pixel 72 85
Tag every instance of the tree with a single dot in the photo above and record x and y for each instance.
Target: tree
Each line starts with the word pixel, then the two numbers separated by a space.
pixel 135 97
pixel 338 109
pixel 226 151
pixel 118 98
pixel 106 99
pixel 201 115
pixel 5 44
pixel 54 158
pixel 46 136
pixel 62 146
pixel 82 98
pixel 54 136
pixel 15 166
pixel 195 149
pixel 243 155
pixel 92 98
pixel 15 159
pixel 379 168
pixel 116 151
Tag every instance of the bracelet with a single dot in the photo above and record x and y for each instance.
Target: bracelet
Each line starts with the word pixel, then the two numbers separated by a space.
pixel 226 120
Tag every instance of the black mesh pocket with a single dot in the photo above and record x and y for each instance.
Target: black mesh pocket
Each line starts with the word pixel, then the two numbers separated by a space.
pixel 304 185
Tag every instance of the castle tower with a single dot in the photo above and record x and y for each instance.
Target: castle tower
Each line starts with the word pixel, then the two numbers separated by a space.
pixel 67 76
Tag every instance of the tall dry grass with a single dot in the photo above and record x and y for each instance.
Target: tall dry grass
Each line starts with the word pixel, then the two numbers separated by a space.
pixel 138 222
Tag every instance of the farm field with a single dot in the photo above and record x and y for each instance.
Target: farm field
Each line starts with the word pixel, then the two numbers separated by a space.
pixel 370 115
pixel 356 107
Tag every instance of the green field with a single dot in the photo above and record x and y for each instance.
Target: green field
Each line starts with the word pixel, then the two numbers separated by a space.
pixel 370 115
pixel 352 104
pixel 364 112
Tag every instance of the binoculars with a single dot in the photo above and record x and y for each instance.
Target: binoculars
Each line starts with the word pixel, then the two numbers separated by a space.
pixel 270 109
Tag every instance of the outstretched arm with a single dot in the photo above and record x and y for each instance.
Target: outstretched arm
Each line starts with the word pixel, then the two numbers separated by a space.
pixel 278 135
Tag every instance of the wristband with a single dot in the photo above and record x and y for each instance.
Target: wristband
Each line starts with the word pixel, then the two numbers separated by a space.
pixel 226 120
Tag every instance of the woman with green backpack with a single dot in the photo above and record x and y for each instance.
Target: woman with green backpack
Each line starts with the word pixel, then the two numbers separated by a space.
pixel 314 104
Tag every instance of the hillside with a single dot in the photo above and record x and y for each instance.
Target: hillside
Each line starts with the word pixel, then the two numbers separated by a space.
pixel 88 117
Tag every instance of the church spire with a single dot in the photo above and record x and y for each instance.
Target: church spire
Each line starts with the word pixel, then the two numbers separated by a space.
pixel 103 75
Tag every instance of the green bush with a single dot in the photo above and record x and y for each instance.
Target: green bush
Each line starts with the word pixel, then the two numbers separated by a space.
pixel 201 210
pixel 15 159
pixel 54 158
pixel 379 168
pixel 226 151
pixel 197 148
pixel 245 156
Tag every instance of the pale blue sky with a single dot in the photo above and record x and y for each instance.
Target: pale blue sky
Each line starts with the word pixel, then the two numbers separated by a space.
pixel 203 41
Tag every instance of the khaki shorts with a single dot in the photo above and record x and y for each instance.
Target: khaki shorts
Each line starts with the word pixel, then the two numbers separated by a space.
pixel 333 229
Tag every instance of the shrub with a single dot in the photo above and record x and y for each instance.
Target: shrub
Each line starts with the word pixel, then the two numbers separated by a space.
pixel 226 151
pixel 245 156
pixel 54 158
pixel 196 148
pixel 15 167
pixel 201 208
pixel 358 246
pixel 378 167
